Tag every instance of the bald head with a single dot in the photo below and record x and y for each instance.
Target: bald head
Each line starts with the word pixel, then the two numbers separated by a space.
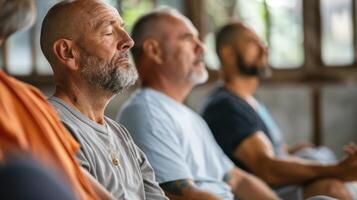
pixel 69 19
pixel 155 24
pixel 229 34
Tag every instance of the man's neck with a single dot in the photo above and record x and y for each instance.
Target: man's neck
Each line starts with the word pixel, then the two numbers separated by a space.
pixel 175 91
pixel 243 87
pixel 90 102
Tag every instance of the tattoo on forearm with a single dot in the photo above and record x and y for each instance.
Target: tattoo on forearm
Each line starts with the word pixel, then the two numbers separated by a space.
pixel 176 187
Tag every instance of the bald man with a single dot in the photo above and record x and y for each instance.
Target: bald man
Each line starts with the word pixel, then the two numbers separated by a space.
pixel 240 126
pixel 28 124
pixel 87 47
pixel 187 161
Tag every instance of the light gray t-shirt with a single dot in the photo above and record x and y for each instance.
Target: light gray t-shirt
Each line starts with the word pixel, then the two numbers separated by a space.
pixel 133 178
pixel 177 142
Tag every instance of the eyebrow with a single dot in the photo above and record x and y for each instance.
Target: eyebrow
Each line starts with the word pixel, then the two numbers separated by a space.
pixel 105 23
pixel 187 35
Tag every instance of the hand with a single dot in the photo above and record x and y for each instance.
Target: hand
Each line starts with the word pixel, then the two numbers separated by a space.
pixel 350 149
pixel 348 166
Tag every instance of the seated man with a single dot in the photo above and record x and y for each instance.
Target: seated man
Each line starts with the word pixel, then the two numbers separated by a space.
pixel 187 161
pixel 243 130
pixel 87 47
pixel 28 124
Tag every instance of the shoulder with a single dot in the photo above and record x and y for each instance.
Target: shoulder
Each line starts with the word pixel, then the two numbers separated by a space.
pixel 10 86
pixel 145 108
pixel 223 102
pixel 63 112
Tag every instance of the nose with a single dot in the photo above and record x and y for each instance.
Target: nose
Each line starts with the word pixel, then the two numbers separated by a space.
pixel 263 47
pixel 126 42
pixel 200 47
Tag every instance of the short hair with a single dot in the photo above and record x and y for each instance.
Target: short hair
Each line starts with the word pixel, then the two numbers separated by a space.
pixel 47 24
pixel 143 28
pixel 15 15
pixel 227 35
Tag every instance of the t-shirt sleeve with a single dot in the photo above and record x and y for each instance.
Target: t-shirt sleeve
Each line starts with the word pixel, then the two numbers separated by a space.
pixel 158 140
pixel 231 123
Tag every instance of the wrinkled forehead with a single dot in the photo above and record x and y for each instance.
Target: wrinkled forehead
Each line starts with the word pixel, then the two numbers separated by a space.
pixel 99 12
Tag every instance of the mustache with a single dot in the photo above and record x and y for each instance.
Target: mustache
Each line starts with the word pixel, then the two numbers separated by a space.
pixel 118 56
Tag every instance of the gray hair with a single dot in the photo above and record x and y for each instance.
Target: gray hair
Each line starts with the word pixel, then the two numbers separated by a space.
pixel 15 15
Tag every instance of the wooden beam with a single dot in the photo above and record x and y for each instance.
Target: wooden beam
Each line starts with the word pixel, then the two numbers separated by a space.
pixel 196 12
pixel 33 41
pixel 354 24
pixel 5 56
pixel 316 115
pixel 312 34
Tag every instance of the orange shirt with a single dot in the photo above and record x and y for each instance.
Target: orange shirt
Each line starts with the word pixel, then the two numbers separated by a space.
pixel 29 124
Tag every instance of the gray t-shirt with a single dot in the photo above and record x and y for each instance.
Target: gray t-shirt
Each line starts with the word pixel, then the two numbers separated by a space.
pixel 177 142
pixel 133 178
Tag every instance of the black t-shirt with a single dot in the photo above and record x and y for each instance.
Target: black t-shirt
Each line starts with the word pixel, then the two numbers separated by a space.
pixel 232 120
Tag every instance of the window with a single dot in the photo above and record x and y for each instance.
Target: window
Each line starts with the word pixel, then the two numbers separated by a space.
pixel 337 32
pixel 41 63
pixel 23 49
pixel 285 33
pixel 19 53
pixel 132 10
pixel 254 14
pixel 269 19
pixel 226 10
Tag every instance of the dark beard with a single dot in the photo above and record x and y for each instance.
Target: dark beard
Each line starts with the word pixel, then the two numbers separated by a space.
pixel 251 70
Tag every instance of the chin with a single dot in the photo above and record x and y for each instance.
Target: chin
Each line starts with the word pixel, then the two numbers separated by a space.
pixel 124 65
pixel 199 77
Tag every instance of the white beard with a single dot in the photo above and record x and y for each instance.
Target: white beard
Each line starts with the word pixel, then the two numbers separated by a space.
pixel 198 77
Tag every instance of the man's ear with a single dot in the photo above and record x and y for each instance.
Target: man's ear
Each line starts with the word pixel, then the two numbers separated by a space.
pixel 64 52
pixel 152 49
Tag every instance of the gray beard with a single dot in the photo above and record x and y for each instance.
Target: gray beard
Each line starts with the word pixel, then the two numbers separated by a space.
pixel 107 75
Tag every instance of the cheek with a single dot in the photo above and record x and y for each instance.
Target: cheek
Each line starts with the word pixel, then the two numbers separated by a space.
pixel 251 54
pixel 104 49
pixel 108 53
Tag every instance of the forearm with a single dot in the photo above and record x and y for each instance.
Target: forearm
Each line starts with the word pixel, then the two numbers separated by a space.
pixel 261 160
pixel 293 170
pixel 185 190
pixel 246 186
pixel 194 195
